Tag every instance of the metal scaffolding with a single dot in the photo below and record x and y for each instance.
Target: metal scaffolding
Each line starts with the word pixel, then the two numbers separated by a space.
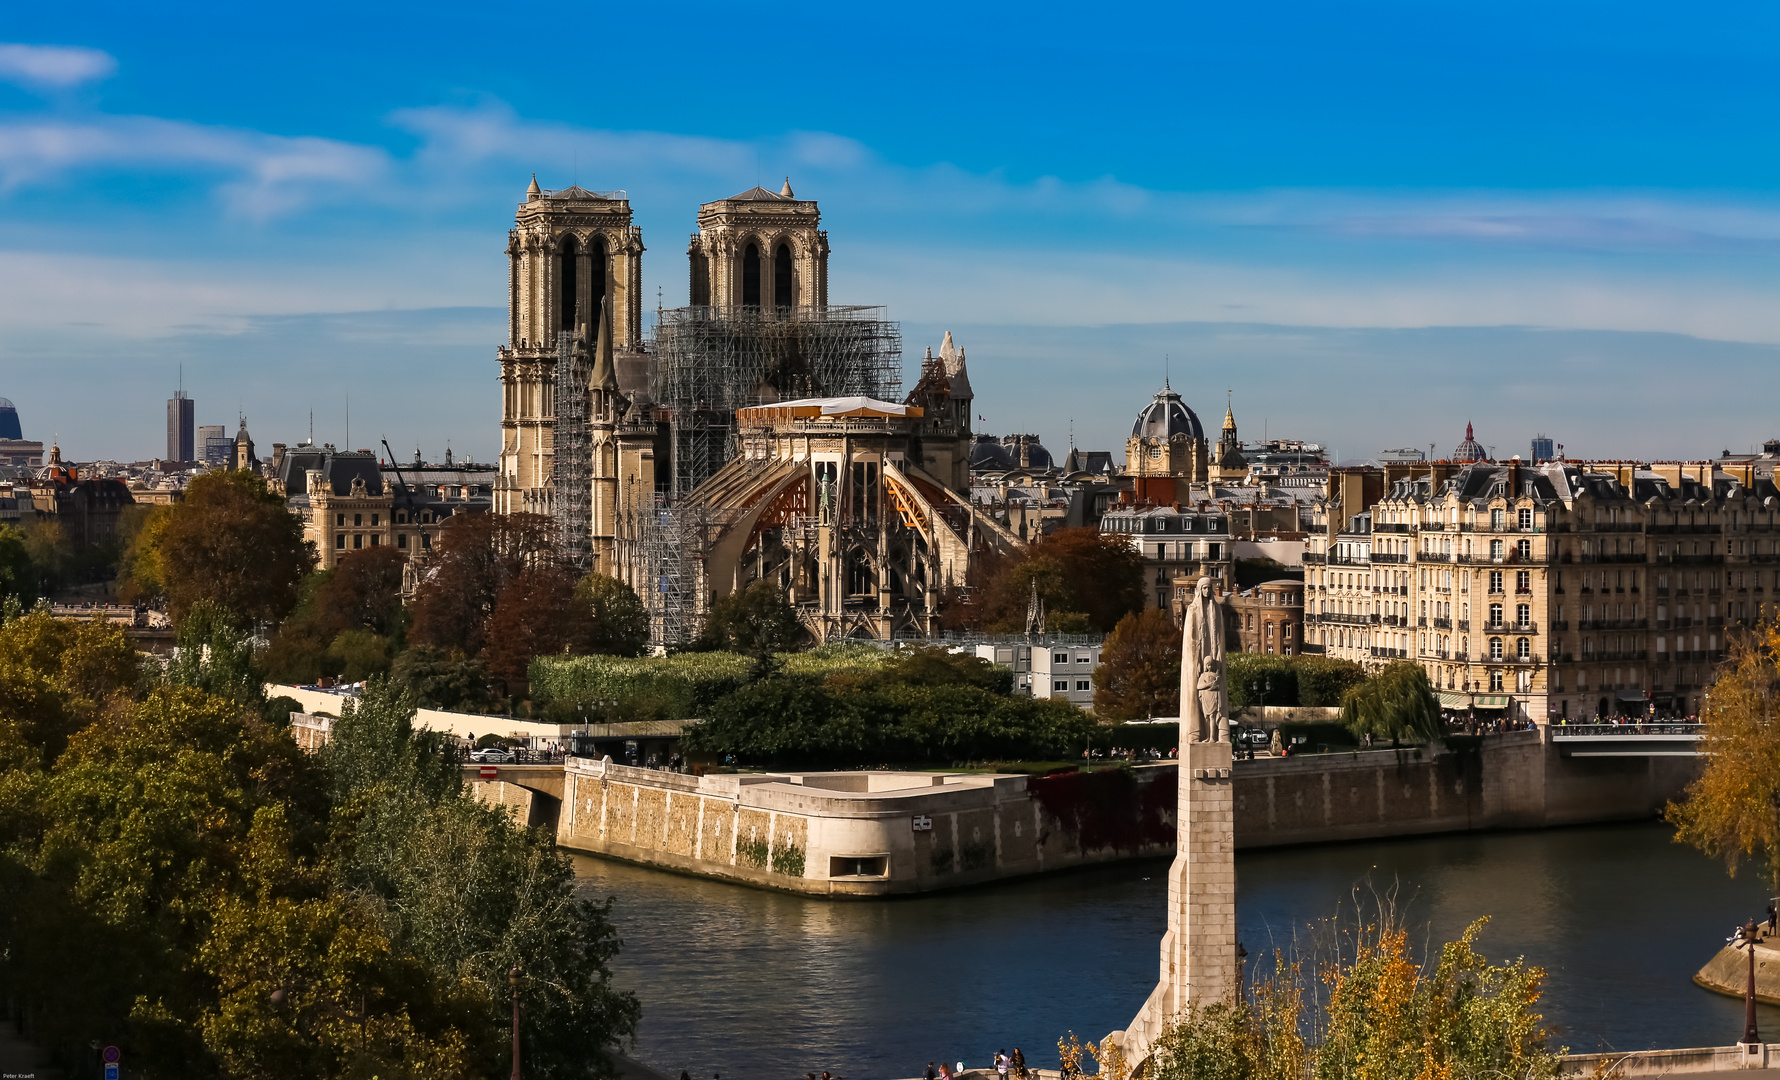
pixel 711 361
pixel 669 558
pixel 571 459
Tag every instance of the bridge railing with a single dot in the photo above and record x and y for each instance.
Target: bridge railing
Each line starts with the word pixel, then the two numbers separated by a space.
pixel 1563 731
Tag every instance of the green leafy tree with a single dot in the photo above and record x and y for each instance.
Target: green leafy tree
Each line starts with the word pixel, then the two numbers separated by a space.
pixel 51 555
pixel 18 577
pixel 1139 672
pixel 233 544
pixel 438 681
pixel 756 621
pixel 212 656
pixel 1397 704
pixel 620 622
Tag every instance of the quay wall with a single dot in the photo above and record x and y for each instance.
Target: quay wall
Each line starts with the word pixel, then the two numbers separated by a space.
pixel 1511 780
pixel 877 833
pixel 856 834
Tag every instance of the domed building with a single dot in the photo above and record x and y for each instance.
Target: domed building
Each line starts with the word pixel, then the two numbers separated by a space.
pixel 1167 444
pixel 1470 449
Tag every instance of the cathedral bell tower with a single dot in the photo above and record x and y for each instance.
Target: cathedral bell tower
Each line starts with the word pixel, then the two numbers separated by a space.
pixel 573 258
pixel 760 249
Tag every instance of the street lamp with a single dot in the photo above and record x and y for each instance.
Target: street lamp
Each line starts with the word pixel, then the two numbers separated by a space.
pixel 1745 937
pixel 514 976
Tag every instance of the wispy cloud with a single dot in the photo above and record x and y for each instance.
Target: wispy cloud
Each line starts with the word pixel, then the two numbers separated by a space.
pixel 53 67
pixel 256 174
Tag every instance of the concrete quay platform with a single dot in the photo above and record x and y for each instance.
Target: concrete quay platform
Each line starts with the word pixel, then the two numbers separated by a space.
pixel 1728 971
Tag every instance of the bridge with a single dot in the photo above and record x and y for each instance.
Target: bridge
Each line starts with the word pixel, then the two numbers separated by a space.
pixel 1627 740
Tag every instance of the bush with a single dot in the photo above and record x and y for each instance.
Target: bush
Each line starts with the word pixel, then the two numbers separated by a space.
pixel 1314 681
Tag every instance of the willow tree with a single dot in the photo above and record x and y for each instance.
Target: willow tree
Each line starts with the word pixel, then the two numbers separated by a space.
pixel 1732 811
pixel 1396 704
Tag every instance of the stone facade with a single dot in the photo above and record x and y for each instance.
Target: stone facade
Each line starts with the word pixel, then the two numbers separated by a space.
pixel 1270 617
pixel 569 253
pixel 349 500
pixel 1178 545
pixel 762 249
pixel 1558 591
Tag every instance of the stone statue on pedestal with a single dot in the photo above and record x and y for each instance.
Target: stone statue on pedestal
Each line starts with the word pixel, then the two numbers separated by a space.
pixel 1204 702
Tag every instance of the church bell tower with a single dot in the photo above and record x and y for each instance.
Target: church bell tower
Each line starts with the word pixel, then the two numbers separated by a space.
pixel 571 255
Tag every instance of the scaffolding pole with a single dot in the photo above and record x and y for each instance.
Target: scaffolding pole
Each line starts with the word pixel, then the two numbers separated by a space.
pixel 571 460
pixel 669 553
pixel 711 361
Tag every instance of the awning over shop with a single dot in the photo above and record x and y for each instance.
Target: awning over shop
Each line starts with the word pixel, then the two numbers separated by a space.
pixel 1631 695
pixel 1455 701
pixel 1492 701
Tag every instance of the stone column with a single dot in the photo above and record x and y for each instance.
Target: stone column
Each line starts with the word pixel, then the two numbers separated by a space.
pixel 1199 965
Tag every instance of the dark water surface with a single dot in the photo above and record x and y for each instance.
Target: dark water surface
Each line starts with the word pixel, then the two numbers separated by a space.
pixel 754 984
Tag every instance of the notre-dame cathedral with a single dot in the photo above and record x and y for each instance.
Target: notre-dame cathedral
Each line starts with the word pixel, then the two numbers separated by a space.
pixel 752 434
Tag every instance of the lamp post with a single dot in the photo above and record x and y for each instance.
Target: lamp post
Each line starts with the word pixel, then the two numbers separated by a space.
pixel 1745 937
pixel 514 975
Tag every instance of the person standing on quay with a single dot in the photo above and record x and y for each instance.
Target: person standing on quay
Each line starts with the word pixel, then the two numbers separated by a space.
pixel 1001 1063
pixel 1019 1064
pixel 930 1073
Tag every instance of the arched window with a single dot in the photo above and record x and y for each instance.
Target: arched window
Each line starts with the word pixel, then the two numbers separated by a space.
pixel 596 285
pixel 1523 649
pixel 751 276
pixel 782 276
pixel 565 278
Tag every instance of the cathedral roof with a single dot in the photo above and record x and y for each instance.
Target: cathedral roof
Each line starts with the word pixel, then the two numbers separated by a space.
pixel 760 194
pixel 1470 449
pixel 576 192
pixel 1165 417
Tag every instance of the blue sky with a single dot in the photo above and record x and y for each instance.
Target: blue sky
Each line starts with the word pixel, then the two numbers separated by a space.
pixel 1370 221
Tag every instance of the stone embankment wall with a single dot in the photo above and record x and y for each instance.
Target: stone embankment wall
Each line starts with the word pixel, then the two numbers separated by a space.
pixel 1512 780
pixel 873 833
pixel 849 834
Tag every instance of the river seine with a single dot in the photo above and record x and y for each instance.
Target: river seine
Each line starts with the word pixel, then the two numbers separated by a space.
pixel 752 984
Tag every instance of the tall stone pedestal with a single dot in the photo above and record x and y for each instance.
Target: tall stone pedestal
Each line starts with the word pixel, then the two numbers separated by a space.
pixel 1199 964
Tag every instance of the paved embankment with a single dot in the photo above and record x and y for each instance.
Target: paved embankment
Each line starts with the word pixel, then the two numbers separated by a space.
pixel 1728 972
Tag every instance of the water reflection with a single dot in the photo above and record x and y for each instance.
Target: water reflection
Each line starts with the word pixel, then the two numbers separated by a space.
pixel 756 984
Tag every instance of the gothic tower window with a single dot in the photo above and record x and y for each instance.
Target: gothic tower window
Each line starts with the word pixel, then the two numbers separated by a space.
pixel 701 280
pixel 596 264
pixel 782 277
pixel 565 276
pixel 751 276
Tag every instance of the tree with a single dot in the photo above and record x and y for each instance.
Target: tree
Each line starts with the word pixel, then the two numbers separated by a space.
pixel 51 554
pixel 1732 811
pixel 18 578
pixel 1396 704
pixel 620 622
pixel 438 681
pixel 478 554
pixel 232 543
pixel 362 592
pixel 215 657
pixel 1086 579
pixel 537 614
pixel 139 554
pixel 1139 672
pixel 757 621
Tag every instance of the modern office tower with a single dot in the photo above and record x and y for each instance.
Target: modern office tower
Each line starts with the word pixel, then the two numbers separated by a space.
pixel 179 428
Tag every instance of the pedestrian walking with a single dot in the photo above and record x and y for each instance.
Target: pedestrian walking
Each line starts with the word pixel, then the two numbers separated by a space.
pixel 1773 917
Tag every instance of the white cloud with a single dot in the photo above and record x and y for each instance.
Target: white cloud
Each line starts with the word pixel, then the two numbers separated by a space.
pixel 259 175
pixel 53 67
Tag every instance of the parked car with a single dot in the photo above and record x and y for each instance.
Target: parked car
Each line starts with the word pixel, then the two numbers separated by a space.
pixel 493 755
pixel 1247 735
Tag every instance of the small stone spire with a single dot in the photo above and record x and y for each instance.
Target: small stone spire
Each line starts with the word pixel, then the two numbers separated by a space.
pixel 605 372
pixel 534 193
pixel 1229 413
pixel 786 190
